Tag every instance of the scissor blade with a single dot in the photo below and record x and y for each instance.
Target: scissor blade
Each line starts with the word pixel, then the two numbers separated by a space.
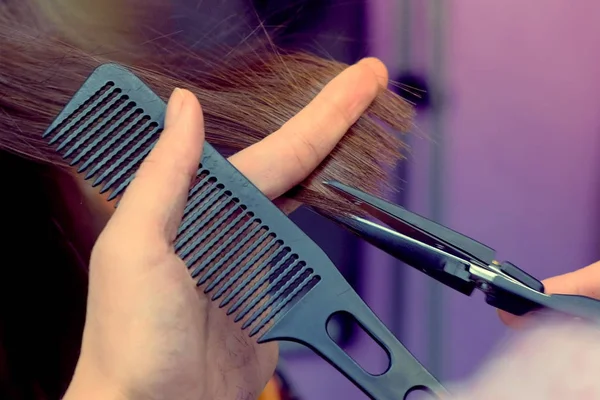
pixel 427 259
pixel 416 226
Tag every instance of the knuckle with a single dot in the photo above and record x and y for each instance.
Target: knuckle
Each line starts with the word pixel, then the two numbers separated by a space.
pixel 306 153
pixel 360 87
pixel 342 113
pixel 171 162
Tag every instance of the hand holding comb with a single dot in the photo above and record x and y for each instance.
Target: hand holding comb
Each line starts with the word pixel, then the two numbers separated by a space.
pixel 239 247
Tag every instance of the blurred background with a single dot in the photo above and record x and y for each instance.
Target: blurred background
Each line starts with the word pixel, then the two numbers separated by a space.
pixel 505 150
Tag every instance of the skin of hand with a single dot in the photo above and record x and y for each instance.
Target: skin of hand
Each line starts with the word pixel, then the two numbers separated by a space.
pixel 522 368
pixel 582 282
pixel 150 333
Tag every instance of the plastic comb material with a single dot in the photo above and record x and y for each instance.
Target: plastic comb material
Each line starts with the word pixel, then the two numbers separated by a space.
pixel 242 250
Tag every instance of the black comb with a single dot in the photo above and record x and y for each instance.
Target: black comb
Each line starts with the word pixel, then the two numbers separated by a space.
pixel 236 243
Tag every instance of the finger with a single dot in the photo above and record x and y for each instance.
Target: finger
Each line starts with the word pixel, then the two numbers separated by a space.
pixel 583 282
pixel 154 201
pixel 289 155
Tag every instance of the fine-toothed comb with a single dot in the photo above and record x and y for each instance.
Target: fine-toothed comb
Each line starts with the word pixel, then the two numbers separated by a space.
pixel 236 243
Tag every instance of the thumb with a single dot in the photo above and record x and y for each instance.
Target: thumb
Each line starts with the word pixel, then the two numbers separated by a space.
pixel 583 282
pixel 154 201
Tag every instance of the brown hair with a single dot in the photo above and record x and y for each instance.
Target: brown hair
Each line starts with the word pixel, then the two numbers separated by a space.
pixel 246 92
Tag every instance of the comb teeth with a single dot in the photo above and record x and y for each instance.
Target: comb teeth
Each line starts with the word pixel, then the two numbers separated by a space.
pixel 228 249
pixel 89 138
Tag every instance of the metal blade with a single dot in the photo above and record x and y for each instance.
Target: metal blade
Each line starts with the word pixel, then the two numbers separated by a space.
pixel 416 226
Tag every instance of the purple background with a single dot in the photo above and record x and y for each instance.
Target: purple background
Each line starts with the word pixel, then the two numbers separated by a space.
pixel 522 142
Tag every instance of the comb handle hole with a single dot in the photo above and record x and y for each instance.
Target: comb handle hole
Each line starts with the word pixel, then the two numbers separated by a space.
pixel 420 393
pixel 363 349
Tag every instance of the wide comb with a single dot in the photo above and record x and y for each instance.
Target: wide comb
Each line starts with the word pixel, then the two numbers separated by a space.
pixel 236 243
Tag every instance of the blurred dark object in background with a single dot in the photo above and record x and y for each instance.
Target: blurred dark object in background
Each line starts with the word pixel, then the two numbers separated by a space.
pixel 329 28
pixel 415 88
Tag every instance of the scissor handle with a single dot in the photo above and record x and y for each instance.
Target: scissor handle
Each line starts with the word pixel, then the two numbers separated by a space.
pixel 571 305
pixel 509 301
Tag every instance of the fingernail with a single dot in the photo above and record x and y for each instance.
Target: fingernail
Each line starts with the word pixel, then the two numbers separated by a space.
pixel 174 108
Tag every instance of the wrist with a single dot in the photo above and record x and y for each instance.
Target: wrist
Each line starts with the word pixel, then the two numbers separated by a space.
pixel 89 385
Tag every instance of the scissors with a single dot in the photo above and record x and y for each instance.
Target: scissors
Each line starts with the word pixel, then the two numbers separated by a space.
pixel 454 259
